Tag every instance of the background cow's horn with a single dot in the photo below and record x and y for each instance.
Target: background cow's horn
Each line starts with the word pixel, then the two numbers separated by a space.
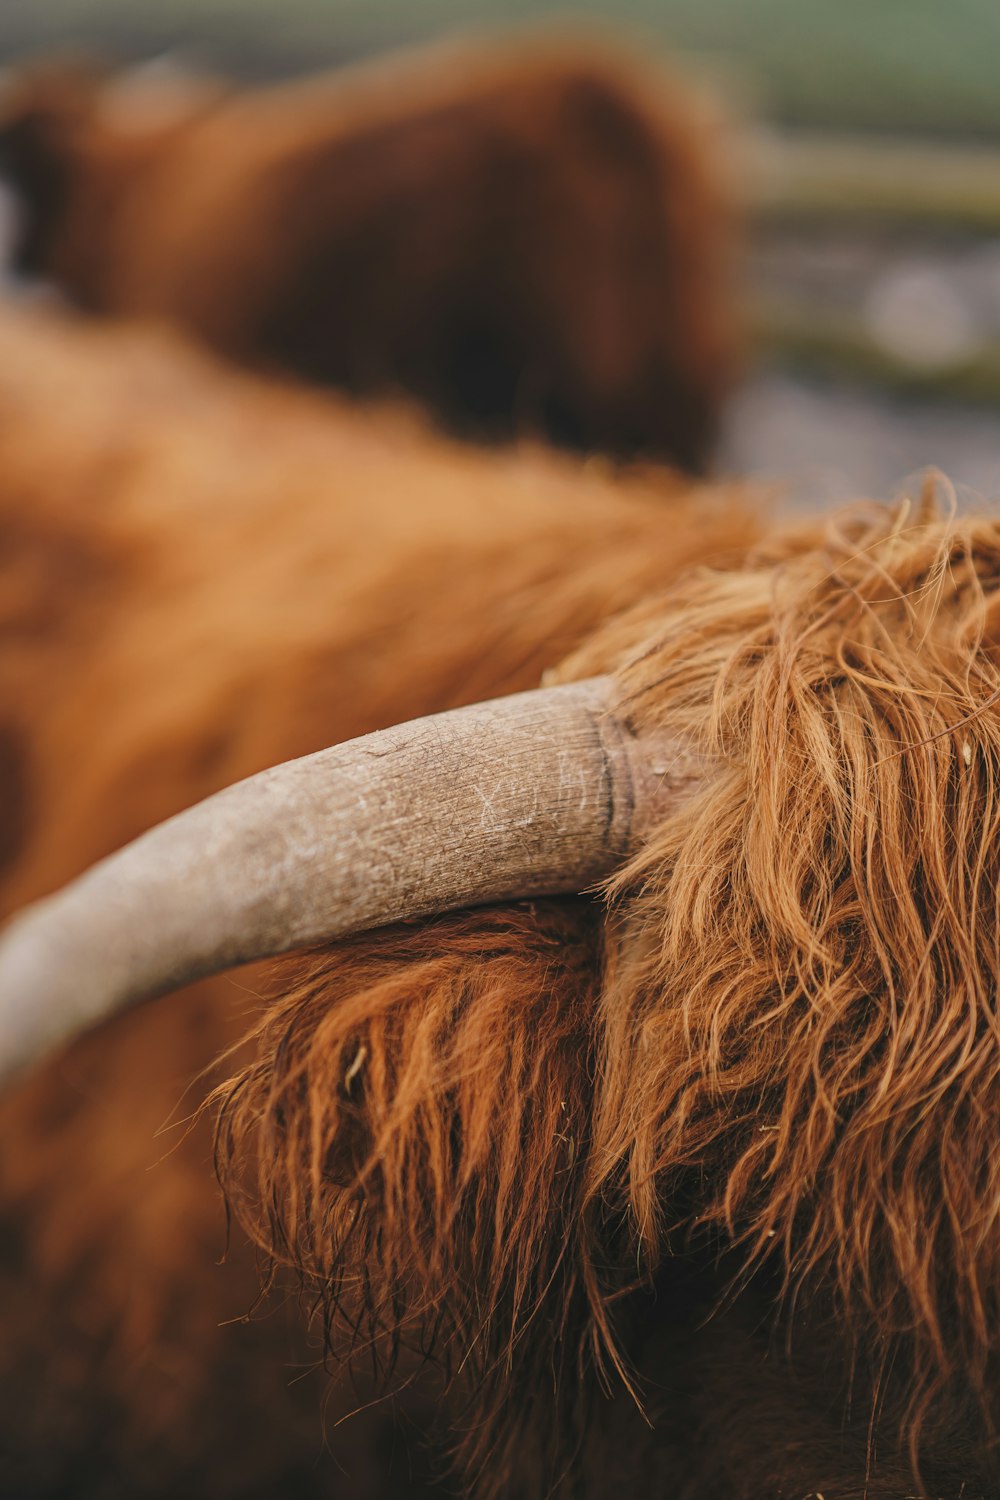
pixel 531 795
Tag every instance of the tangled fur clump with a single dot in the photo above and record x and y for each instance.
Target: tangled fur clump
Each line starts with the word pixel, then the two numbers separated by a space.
pixel 804 998
pixel 779 1038
pixel 417 1113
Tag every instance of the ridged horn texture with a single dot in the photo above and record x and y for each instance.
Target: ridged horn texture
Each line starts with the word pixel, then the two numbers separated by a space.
pixel 536 794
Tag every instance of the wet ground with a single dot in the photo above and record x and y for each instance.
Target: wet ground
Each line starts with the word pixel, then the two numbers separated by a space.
pixel 825 441
pixel 877 336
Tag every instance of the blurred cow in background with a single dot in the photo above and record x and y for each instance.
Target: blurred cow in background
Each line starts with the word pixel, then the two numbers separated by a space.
pixel 529 237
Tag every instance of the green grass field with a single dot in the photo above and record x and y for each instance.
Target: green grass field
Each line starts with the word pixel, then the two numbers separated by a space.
pixel 899 65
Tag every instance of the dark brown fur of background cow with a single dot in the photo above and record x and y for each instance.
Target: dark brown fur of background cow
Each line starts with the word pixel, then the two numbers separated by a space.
pixel 526 237
pixel 558 1147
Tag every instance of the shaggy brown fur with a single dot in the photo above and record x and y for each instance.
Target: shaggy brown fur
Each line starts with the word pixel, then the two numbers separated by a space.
pixel 527 235
pixel 778 1072
pixel 685 1190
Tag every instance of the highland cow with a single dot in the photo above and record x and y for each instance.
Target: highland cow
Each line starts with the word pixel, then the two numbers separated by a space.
pixel 685 1185
pixel 527 236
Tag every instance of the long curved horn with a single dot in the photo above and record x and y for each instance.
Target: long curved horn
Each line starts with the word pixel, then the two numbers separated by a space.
pixel 536 794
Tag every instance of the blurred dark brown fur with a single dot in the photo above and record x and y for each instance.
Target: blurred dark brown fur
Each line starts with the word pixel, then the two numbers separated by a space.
pixel 688 1191
pixel 528 236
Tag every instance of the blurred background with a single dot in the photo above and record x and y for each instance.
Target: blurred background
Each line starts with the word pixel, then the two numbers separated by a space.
pixel 866 147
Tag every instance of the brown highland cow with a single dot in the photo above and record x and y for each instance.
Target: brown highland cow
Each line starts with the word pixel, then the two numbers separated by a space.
pixel 527 236
pixel 686 1186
